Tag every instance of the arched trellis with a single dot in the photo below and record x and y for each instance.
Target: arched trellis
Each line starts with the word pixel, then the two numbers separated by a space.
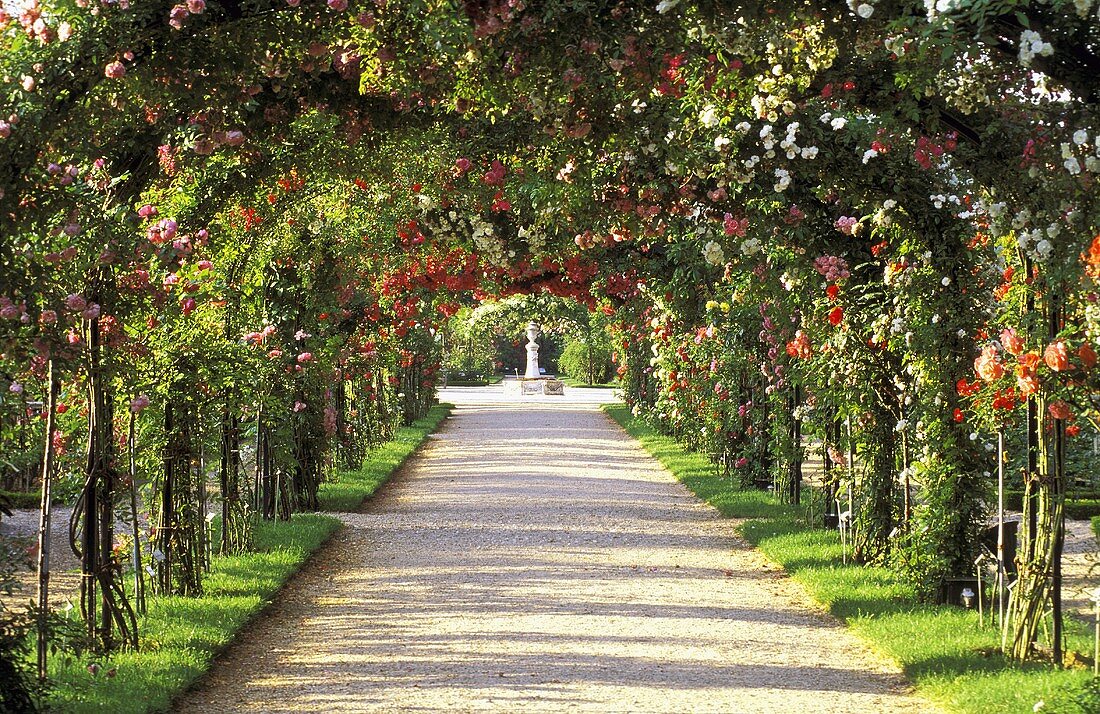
pixel 203 123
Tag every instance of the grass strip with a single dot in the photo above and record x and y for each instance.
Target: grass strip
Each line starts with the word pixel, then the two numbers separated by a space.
pixel 181 636
pixel 349 491
pixel 941 649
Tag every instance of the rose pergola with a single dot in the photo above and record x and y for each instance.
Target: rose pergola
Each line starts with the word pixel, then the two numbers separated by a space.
pixel 874 224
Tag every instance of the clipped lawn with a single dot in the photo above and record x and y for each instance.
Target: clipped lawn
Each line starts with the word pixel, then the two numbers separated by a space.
pixel 181 636
pixel 942 650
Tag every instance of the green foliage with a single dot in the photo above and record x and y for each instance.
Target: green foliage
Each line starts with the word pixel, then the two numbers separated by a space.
pixel 22 499
pixel 586 362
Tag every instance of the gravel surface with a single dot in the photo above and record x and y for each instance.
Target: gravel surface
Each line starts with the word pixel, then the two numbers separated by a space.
pixel 64 566
pixel 1080 569
pixel 533 558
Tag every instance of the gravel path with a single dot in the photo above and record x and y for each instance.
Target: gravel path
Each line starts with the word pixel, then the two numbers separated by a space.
pixel 534 558
pixel 1080 569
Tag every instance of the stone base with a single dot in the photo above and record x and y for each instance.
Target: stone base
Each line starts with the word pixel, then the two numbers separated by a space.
pixel 542 386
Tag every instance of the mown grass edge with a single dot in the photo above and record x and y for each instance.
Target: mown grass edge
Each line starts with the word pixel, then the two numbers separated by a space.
pixel 942 651
pixel 182 637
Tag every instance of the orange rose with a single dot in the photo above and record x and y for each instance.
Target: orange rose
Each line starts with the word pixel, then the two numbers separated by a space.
pixel 1087 355
pixel 1026 380
pixel 1056 356
pixel 1092 258
pixel 1012 342
pixel 800 346
pixel 989 366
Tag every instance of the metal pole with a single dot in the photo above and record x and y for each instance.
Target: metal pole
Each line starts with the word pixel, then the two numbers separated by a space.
pixel 1001 525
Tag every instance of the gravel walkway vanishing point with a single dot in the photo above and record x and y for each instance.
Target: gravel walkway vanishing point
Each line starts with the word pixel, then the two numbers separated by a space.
pixel 534 558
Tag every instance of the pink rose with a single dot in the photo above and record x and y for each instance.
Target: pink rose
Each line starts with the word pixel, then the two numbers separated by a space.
pixel 305 357
pixel 196 7
pixel 5 129
pixel 147 211
pixel 115 70
pixel 299 406
pixel 177 15
pixel 188 305
pixel 204 265
pixel 234 137
pixel 91 312
pixel 29 83
pixel 47 317
pixel 139 403
pixel 76 302
pixel 168 229
pixel 1059 409
pixel 338 5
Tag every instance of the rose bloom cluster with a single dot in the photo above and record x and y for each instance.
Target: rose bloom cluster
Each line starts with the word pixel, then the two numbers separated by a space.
pixel 833 267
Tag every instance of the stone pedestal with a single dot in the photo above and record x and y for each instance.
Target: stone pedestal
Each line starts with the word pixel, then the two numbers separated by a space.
pixel 532 352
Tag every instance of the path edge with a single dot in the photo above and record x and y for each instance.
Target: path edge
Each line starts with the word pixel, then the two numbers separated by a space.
pixel 311 559
pixel 909 686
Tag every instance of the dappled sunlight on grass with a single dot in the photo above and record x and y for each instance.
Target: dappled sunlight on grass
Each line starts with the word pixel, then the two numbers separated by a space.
pixel 180 636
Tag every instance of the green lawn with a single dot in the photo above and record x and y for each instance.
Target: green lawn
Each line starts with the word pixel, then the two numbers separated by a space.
pixel 181 636
pixel 942 650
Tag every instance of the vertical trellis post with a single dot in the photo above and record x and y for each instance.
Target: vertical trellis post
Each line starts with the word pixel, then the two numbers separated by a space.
pixel 44 521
